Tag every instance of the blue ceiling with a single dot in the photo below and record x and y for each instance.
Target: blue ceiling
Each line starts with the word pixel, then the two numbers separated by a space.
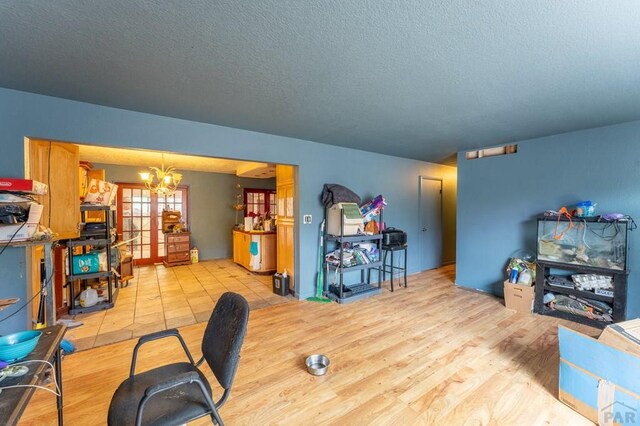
pixel 419 79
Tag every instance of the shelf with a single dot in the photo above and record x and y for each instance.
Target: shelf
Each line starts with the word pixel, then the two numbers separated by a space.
pixel 356 292
pixel 353 238
pixel 575 318
pixel 377 264
pixel 595 219
pixel 100 306
pixel 105 274
pixel 96 233
pixel 26 243
pixel 94 242
pixel 581 268
pixel 579 293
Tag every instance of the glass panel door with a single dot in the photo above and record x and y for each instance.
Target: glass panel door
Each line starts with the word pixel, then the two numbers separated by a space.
pixel 137 223
pixel 134 224
pixel 176 202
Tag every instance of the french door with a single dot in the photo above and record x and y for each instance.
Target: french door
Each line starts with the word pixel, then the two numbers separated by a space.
pixel 140 219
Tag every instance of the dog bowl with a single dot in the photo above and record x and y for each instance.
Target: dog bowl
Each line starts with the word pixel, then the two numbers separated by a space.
pixel 317 364
pixel 18 345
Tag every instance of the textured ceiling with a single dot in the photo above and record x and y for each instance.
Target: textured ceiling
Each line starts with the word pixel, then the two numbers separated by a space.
pixel 419 79
pixel 143 159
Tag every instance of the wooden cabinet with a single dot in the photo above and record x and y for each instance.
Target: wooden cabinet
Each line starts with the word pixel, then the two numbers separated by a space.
pixel 177 249
pixel 55 164
pixel 267 250
pixel 285 195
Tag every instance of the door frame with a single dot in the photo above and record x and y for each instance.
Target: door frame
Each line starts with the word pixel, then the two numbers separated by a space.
pixel 422 249
pixel 296 196
pixel 154 203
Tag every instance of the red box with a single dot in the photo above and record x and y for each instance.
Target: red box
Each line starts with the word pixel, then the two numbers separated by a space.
pixel 23 185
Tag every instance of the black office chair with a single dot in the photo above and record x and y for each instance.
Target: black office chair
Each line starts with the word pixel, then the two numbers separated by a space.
pixel 177 393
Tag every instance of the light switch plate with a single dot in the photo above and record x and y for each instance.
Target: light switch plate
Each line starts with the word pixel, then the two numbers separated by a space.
pixel 306 219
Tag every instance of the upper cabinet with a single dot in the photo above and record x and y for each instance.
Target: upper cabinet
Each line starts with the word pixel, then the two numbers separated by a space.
pixel 56 164
pixel 285 184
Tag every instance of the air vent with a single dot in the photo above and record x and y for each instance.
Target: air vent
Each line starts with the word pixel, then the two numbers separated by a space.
pixel 491 152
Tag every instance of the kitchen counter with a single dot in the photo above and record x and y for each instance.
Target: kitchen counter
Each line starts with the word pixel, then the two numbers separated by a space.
pixel 254 232
pixel 266 242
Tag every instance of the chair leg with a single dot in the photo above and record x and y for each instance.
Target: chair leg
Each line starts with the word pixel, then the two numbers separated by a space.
pixel 392 271
pixel 215 418
pixel 405 268
pixel 384 266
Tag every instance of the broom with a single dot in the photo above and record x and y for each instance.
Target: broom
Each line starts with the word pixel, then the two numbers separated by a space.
pixel 319 285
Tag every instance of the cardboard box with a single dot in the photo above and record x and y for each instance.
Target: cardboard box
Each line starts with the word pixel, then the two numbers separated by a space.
pixel 347 214
pixel 23 185
pixel 518 297
pixel 85 263
pixel 597 380
pixel 624 336
pixel 101 192
pixel 23 231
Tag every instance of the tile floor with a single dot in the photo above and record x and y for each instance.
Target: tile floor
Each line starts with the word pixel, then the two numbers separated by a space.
pixel 159 298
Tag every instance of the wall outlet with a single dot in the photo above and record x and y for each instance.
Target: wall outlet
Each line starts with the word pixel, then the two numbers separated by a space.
pixel 306 219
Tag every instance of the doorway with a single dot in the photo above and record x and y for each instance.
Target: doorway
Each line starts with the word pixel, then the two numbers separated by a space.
pixel 430 240
pixel 158 297
pixel 140 219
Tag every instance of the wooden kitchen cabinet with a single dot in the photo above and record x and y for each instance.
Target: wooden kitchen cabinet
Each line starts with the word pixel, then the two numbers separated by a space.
pixel 267 250
pixel 285 197
pixel 56 164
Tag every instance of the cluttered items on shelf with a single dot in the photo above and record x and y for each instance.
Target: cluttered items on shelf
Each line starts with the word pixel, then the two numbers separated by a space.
pixel 598 285
pixel 20 212
pixel 101 192
pixel 344 214
pixel 354 255
pixel 581 306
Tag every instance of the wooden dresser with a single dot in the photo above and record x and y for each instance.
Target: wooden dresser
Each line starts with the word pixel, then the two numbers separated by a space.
pixel 177 246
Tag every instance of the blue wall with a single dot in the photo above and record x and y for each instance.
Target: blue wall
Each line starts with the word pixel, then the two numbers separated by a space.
pixel 211 196
pixel 30 115
pixel 499 197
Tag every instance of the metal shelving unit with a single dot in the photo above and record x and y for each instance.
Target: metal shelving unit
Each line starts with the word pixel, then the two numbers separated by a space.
pixel 350 293
pixel 100 239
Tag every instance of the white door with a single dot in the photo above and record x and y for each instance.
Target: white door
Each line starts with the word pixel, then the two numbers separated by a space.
pixel 430 223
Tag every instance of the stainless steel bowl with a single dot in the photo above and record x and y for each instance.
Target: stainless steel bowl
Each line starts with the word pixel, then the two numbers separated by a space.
pixel 317 364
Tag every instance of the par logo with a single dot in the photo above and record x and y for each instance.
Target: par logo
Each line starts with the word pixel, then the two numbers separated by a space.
pixel 619 412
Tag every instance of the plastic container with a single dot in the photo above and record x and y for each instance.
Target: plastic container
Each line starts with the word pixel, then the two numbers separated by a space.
pixel 525 277
pixel 86 263
pixel 586 209
pixel 18 345
pixel 88 297
pixel 195 257
pixel 280 284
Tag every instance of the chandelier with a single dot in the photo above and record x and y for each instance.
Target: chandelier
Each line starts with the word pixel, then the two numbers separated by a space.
pixel 160 180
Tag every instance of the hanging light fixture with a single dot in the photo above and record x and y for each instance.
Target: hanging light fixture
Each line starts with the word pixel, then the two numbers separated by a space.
pixel 160 180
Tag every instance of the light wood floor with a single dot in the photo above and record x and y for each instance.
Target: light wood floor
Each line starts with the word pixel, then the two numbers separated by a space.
pixel 429 354
pixel 158 298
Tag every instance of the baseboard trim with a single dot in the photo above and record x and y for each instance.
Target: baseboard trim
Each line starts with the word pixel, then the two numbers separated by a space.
pixel 476 290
